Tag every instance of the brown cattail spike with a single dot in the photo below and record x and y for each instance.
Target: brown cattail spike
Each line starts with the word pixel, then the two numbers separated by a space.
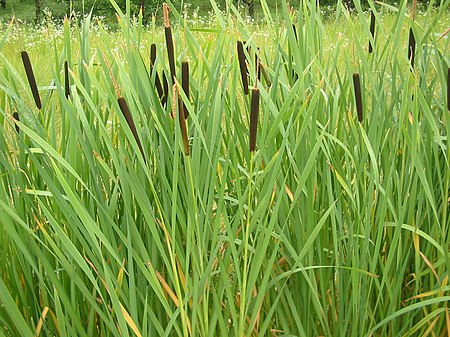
pixel 372 30
pixel 169 42
pixel 126 113
pixel 158 84
pixel 66 79
pixel 165 89
pixel 31 78
pixel 170 52
pixel 16 117
pixel 182 120
pixel 411 48
pixel 358 98
pixel 185 84
pixel 152 55
pixel 257 66
pixel 254 111
pixel 242 66
pixel 448 89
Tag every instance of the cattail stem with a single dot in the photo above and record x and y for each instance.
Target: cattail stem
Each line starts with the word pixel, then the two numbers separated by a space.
pixel 183 128
pixel 254 111
pixel 126 113
pixel 372 30
pixel 31 78
pixel 448 89
pixel 358 98
pixel 242 66
pixel 411 47
pixel 66 79
pixel 185 84
pixel 16 117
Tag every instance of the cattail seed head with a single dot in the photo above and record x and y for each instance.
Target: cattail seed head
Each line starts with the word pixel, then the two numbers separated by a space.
pixel 254 111
pixel 185 84
pixel 158 84
pixel 183 128
pixel 126 113
pixel 31 78
pixel 358 98
pixel 257 66
pixel 411 47
pixel 372 30
pixel 16 117
pixel 170 51
pixel 152 55
pixel 242 66
pixel 166 11
pixel 66 79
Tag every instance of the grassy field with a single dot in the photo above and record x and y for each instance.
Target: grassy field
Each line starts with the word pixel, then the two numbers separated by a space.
pixel 302 208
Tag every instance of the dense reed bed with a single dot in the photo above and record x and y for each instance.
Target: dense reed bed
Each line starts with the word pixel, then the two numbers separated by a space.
pixel 146 194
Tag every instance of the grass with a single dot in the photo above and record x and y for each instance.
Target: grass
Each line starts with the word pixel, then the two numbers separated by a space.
pixel 121 218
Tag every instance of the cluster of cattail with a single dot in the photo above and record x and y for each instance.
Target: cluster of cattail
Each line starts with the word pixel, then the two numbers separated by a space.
pixel 242 66
pixel 254 106
pixel 177 100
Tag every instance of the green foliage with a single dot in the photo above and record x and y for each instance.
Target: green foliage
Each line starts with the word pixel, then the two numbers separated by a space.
pixel 332 227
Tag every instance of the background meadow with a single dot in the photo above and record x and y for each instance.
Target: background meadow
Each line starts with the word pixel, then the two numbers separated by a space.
pixel 123 219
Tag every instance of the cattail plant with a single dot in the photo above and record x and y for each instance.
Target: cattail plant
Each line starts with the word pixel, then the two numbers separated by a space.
pixel 372 30
pixel 358 98
pixel 183 128
pixel 169 42
pixel 242 66
pixel 66 79
pixel 31 78
pixel 16 117
pixel 411 47
pixel 185 84
pixel 254 111
pixel 158 84
pixel 126 113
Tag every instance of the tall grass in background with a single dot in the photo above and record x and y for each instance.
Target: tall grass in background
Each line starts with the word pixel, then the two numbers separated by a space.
pixel 326 225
